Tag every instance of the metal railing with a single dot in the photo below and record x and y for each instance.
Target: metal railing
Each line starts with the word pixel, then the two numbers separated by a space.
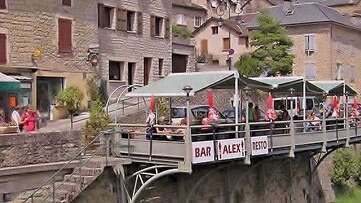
pixel 81 158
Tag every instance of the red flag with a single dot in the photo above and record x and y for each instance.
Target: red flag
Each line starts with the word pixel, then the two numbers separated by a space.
pixel 269 101
pixel 152 104
pixel 210 98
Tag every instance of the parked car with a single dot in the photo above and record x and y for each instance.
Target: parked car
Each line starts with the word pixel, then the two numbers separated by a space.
pixel 198 113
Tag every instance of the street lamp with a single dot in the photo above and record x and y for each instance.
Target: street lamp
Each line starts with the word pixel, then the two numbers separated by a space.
pixel 188 137
pixel 247 139
pixel 220 7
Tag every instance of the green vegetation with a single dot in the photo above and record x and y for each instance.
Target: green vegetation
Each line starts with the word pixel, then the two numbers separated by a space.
pixel 71 98
pixel 350 196
pixel 271 54
pixel 181 31
pixel 98 120
pixel 346 167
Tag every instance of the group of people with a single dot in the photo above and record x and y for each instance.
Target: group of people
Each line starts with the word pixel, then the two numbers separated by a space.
pixel 25 119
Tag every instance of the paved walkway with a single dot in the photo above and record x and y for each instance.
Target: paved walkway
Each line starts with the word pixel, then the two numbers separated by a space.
pixel 116 111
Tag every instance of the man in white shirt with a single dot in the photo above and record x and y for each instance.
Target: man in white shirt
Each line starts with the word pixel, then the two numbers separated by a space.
pixel 16 118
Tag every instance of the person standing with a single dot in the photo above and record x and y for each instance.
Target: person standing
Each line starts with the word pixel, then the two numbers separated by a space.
pixel 16 118
pixel 29 120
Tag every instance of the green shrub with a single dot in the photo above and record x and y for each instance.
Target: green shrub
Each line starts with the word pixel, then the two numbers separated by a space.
pixel 71 98
pixel 345 168
pixel 98 121
pixel 181 31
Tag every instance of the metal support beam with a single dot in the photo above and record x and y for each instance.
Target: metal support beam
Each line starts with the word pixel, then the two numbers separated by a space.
pixel 247 138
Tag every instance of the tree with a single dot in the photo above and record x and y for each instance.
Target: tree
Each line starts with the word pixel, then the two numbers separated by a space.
pixel 272 45
pixel 345 167
pixel 98 121
pixel 71 98
pixel 248 66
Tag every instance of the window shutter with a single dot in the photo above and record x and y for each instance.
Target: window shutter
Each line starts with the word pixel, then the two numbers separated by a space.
pixel 167 29
pixel 101 15
pixel 2 4
pixel 140 23
pixel 121 20
pixel 66 2
pixel 312 43
pixel 2 49
pixel 204 47
pixel 65 36
pixel 306 42
pixel 152 26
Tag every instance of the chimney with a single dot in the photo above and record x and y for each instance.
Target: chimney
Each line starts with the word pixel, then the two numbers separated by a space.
pixel 288 7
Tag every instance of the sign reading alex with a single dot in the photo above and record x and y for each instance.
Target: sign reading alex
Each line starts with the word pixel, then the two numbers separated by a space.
pixel 225 149
pixel 202 152
pixel 259 145
pixel 230 149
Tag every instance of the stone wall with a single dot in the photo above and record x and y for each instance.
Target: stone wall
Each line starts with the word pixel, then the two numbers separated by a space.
pixel 273 180
pixel 35 148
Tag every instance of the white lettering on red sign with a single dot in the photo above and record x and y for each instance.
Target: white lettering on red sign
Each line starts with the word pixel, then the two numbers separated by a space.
pixel 259 145
pixel 202 152
pixel 230 149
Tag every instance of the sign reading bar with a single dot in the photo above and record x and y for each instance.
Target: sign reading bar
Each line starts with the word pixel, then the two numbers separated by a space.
pixel 230 149
pixel 259 145
pixel 202 152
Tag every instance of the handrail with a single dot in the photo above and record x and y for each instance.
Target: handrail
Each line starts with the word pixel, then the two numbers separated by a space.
pixel 49 180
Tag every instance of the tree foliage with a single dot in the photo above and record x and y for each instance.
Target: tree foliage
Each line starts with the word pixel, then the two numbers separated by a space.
pixel 98 121
pixel 272 45
pixel 345 168
pixel 248 66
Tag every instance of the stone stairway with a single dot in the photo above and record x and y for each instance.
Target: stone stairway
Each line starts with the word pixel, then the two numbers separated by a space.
pixel 72 184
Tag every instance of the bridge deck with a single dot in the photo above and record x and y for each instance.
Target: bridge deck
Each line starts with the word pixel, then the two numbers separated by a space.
pixel 282 138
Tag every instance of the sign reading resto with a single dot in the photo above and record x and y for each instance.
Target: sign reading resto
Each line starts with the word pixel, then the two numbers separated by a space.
pixel 259 145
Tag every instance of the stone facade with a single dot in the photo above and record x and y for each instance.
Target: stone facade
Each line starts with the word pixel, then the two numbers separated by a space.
pixel 128 47
pixel 25 149
pixel 32 26
pixel 335 45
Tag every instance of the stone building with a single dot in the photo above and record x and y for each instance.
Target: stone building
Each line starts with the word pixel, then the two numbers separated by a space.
pixel 186 16
pixel 326 43
pixel 45 45
pixel 135 42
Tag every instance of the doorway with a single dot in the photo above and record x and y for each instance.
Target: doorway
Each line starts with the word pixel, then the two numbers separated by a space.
pixel 179 63
pixel 47 90
pixel 147 67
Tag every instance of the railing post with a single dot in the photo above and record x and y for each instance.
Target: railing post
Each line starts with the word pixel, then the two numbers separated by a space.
pixel 347 144
pixel 292 137
pixel 53 192
pixel 324 132
pixel 247 138
pixel 107 142
pixel 32 198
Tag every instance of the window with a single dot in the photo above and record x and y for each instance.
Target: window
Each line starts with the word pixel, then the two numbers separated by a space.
pixel 226 44
pixel 339 71
pixel 310 71
pixel 65 35
pixel 106 16
pixel 3 48
pixel 198 21
pixel 310 44
pixel 160 67
pixel 115 70
pixel 158 26
pixel 66 2
pixel 181 19
pixel 130 21
pixel 214 30
pixel 2 4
